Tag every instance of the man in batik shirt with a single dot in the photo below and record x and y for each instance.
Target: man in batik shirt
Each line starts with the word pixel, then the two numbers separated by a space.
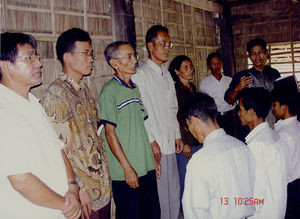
pixel 72 111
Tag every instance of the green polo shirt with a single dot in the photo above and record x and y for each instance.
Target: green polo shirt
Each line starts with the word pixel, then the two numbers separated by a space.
pixel 122 107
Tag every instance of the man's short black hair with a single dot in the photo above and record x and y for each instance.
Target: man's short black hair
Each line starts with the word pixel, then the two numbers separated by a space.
pixel 9 45
pixel 176 64
pixel 291 100
pixel 256 42
pixel 212 55
pixel 152 33
pixel 202 106
pixel 66 41
pixel 256 98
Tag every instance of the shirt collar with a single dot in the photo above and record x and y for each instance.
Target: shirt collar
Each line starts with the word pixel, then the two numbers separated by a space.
pixel 120 81
pixel 280 123
pixel 155 67
pixel 213 135
pixel 76 86
pixel 255 131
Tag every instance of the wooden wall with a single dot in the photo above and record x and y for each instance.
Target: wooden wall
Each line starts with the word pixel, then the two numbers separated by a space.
pixel 274 20
pixel 193 30
pixel 47 19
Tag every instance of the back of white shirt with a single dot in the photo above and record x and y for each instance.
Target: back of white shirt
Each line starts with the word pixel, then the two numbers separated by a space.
pixel 219 179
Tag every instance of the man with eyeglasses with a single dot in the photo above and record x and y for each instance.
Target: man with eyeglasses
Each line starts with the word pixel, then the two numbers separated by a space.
pixel 71 109
pixel 159 96
pixel 34 170
pixel 130 158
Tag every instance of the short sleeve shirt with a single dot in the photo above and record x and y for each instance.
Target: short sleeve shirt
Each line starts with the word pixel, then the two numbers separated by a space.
pixel 122 107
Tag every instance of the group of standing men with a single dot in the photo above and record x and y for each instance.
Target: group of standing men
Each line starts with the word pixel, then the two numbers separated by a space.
pixel 72 170
pixel 140 143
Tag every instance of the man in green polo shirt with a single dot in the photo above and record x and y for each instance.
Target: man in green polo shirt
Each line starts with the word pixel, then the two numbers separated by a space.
pixel 130 158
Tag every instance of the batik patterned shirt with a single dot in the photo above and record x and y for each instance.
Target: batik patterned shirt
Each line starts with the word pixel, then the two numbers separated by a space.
pixel 71 109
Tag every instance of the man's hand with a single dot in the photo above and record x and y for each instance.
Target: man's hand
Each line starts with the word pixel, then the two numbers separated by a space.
pixel 245 81
pixel 156 151
pixel 157 168
pixel 72 206
pixel 86 203
pixel 187 152
pixel 179 145
pixel 131 177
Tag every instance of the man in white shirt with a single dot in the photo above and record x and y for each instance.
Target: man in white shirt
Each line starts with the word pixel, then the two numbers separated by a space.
pixel 220 177
pixel 285 106
pixel 270 170
pixel 217 83
pixel 34 171
pixel 159 96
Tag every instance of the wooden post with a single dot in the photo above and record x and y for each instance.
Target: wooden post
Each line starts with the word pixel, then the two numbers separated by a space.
pixel 123 15
pixel 227 41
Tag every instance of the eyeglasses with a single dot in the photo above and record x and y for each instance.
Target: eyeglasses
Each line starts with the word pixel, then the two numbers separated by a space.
pixel 87 53
pixel 165 44
pixel 130 56
pixel 30 58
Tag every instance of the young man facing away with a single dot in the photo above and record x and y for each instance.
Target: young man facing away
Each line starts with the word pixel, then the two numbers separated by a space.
pixel 270 182
pixel 34 170
pixel 159 96
pixel 285 107
pixel 219 174
pixel 130 158
pixel 72 111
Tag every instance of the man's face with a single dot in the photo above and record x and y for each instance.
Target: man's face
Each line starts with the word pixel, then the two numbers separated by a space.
pixel 258 56
pixel 215 65
pixel 245 115
pixel 27 69
pixel 278 110
pixel 81 59
pixel 125 62
pixel 159 49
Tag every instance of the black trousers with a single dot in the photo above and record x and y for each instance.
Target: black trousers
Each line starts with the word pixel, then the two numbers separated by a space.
pixel 138 203
pixel 293 200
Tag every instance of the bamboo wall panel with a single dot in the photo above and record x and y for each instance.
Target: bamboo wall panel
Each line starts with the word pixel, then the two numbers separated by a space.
pixel 275 21
pixel 192 30
pixel 47 19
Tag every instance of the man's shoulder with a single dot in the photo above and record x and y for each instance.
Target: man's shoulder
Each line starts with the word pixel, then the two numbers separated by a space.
pixel 110 86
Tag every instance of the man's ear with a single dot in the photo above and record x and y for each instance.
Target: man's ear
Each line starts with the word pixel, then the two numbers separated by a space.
pixel 4 66
pixel 113 63
pixel 150 46
pixel 67 57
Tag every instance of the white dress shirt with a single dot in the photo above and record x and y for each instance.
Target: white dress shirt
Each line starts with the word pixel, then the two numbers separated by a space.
pixel 159 96
pixel 216 89
pixel 29 144
pixel 289 132
pixel 270 181
pixel 217 176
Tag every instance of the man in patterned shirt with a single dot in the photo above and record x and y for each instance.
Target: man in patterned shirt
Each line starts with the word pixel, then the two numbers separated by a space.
pixel 71 108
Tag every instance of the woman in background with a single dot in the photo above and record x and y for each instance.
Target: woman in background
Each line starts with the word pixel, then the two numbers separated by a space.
pixel 182 70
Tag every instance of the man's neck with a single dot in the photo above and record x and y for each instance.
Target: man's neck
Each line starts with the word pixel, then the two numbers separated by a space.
pixel 257 121
pixel 218 76
pixel 259 68
pixel 156 61
pixel 125 77
pixel 21 90
pixel 72 75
